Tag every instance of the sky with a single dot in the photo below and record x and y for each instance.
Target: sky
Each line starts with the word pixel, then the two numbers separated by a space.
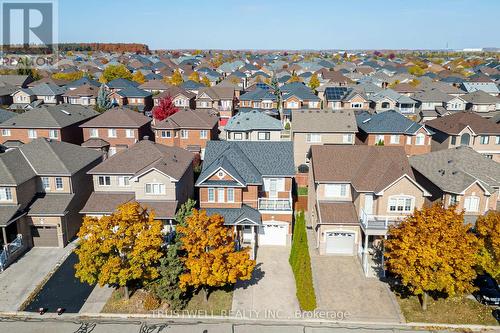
pixel 283 24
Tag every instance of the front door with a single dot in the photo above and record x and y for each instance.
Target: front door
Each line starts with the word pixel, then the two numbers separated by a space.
pixel 369 204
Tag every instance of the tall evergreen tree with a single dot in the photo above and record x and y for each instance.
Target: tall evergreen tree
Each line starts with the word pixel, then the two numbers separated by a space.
pixel 103 102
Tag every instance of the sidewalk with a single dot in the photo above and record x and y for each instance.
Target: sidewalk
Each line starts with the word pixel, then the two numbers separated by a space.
pixel 97 299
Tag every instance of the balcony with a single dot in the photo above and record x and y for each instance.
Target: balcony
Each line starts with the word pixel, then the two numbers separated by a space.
pixel 275 205
pixel 378 224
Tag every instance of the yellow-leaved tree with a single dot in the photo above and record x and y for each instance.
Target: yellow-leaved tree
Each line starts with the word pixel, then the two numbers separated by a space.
pixel 120 248
pixel 205 81
pixel 176 78
pixel 195 76
pixel 488 231
pixel 112 72
pixel 211 259
pixel 432 250
pixel 314 82
pixel 139 77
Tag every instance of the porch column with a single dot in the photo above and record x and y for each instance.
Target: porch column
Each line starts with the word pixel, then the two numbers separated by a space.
pixel 4 235
pixel 253 243
pixel 383 251
pixel 365 256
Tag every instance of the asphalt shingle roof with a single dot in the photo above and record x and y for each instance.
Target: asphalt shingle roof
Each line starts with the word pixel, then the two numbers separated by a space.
pixel 386 122
pixel 253 120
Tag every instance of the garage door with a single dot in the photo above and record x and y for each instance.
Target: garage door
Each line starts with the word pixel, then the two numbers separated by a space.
pixel 44 236
pixel 340 243
pixel 273 234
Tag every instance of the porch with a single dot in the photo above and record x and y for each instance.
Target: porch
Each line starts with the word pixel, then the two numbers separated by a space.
pixel 12 244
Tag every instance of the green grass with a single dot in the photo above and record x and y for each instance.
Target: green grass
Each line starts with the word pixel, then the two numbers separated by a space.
pixel 452 310
pixel 219 302
pixel 301 265
pixel 302 191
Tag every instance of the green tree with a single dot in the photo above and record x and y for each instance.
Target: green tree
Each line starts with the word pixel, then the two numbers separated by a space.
pixel 103 102
pixel 276 90
pixel 112 72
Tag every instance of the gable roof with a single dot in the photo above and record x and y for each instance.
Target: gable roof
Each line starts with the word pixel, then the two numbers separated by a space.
pixel 454 123
pixel 253 120
pixel 386 122
pixel 118 117
pixel 454 170
pixel 480 97
pixel 50 116
pixel 187 118
pixel 324 121
pixel 133 92
pixel 248 161
pixel 144 156
pixel 367 168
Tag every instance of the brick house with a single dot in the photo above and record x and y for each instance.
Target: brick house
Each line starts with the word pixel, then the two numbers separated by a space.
pixel 344 98
pixel 115 130
pixel 180 97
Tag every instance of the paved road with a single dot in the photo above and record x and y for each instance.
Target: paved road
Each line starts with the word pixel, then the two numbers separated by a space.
pixel 21 278
pixel 271 291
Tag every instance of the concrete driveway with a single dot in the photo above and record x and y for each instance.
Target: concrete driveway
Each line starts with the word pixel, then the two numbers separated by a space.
pixel 22 277
pixel 271 291
pixel 340 286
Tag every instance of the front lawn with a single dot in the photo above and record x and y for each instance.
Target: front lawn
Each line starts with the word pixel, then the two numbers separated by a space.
pixel 219 302
pixel 135 304
pixel 453 310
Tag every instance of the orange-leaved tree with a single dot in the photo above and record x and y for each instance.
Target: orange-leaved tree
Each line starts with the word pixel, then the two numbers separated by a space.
pixel 488 231
pixel 211 258
pixel 120 248
pixel 433 251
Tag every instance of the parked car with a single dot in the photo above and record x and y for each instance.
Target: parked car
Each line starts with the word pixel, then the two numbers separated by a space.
pixel 489 292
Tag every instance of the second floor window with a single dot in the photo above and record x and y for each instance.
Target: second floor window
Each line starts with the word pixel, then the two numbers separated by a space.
pixel 497 140
pixel 471 204
pixel 313 137
pixel 6 132
pixel 5 194
pixel 32 134
pixel 45 183
pixel 184 134
pixel 264 136
pixel 336 191
pixel 420 139
pixel 220 195
pixel 347 138
pixel 129 133
pixel 203 134
pixel 211 195
pixel 59 183
pixel 53 134
pixel 104 181
pixel 111 133
pixel 155 188
pixel 94 133
pixel 394 139
pixel 400 204
pixel 230 195
pixel 238 136
pixel 124 181
pixel 453 140
pixel 453 199
pixel 484 139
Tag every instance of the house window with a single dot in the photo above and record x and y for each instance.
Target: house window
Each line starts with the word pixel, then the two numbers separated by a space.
pixel 385 105
pixel 203 134
pixel 336 190
pixel 6 132
pixel 453 140
pixel 497 140
pixel 32 134
pixel 94 133
pixel 129 133
pixel 453 199
pixel 313 137
pixel 53 134
pixel 123 181
pixel 408 140
pixel 5 194
pixel 379 138
pixel 104 180
pixel 400 204
pixel 471 204
pixel 211 195
pixel 264 136
pixel 166 134
pixel 238 136
pixel 395 139
pixel 155 188
pixel 484 139
pixel 420 139
pixel 347 138
pixel 230 195
pixel 220 195
pixel 59 183
pixel 45 183
pixel 356 105
pixel 111 133
pixel 184 134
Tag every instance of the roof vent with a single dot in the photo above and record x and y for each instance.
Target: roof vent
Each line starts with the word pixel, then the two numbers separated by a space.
pixel 450 161
pixel 66 112
pixel 441 172
pixel 454 172
pixel 366 120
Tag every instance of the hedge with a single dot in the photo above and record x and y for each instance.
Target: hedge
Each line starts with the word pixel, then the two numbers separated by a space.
pixel 301 265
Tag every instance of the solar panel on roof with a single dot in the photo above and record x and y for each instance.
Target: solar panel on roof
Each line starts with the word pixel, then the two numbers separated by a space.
pixel 335 93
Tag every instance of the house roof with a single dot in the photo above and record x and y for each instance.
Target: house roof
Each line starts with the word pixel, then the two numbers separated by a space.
pixel 15 80
pixel 338 213
pixel 248 161
pixel 488 87
pixel 387 122
pixel 154 85
pixel 258 95
pixel 433 95
pixel 233 215
pixel 6 115
pixel 325 121
pixel 454 123
pixel 454 170
pixel 217 92
pixel 174 91
pixel 187 118
pixel 117 118
pixel 106 202
pixel 367 168
pixel 253 120
pixel 121 83
pixel 146 155
pixel 83 90
pixel 133 92
pixel 47 89
pixel 51 204
pixel 50 116
pixel 480 97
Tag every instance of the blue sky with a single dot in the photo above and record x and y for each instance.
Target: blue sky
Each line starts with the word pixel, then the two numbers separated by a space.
pixel 283 24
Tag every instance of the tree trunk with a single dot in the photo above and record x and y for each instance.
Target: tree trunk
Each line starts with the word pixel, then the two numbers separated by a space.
pixel 126 292
pixel 205 294
pixel 424 301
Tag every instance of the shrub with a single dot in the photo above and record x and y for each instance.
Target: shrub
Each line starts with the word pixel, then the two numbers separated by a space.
pixel 302 191
pixel 151 302
pixel 301 265
pixel 287 126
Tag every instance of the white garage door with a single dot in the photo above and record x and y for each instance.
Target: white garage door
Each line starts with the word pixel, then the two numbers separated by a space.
pixel 273 234
pixel 340 243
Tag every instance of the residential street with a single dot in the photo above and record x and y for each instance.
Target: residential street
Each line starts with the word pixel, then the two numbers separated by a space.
pixel 271 292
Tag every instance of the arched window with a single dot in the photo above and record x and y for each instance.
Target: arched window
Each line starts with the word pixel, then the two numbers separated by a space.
pixel 465 139
pixel 420 139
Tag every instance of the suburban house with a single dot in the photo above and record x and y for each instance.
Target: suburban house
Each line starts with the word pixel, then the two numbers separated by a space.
pixel 388 99
pixel 321 127
pixel 219 98
pixel 488 86
pixel 46 93
pixel 460 176
pixel 356 193
pixel 344 98
pixel 296 95
pixel 115 130
pixel 44 186
pixel 56 122
pixel 188 129
pixel 83 95
pixel 259 99
pixel 154 86
pixel 482 102
pixel 180 97
pixel 133 98
pixel 466 129
pixel 160 178
pixel 250 185
pixel 391 128
pixel 253 126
